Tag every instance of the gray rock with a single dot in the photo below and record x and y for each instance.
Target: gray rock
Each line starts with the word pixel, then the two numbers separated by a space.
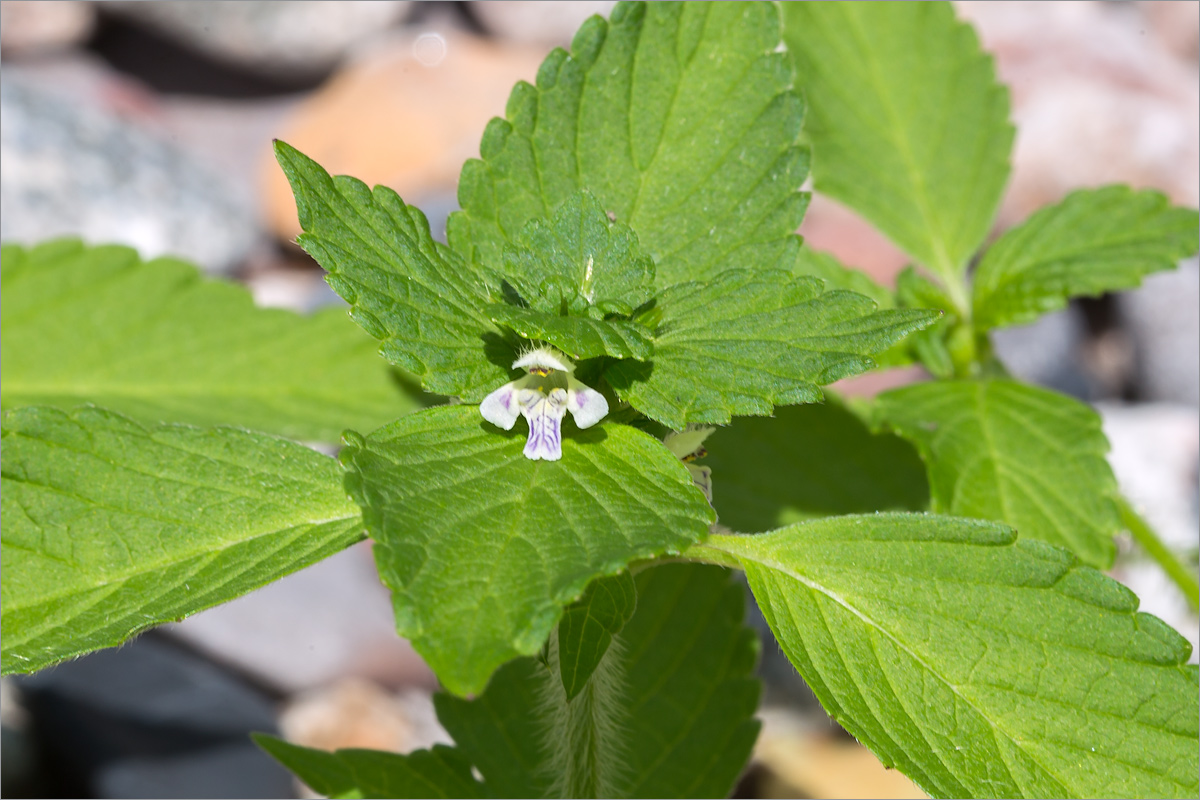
pixel 74 169
pixel 1156 457
pixel 537 22
pixel 331 620
pixel 1163 316
pixel 1047 352
pixel 275 37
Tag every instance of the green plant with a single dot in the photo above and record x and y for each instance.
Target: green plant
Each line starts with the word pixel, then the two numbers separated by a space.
pixel 633 218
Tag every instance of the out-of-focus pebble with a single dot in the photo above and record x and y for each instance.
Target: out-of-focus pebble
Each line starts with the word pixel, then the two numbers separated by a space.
pixel 358 713
pixel 35 26
pixel 803 759
pixel 529 21
pixel 1163 317
pixel 1156 458
pixel 406 115
pixel 1095 100
pixel 273 37
pixel 330 620
pixel 77 169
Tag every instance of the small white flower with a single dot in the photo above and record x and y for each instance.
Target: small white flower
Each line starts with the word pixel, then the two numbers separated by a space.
pixel 688 445
pixel 547 392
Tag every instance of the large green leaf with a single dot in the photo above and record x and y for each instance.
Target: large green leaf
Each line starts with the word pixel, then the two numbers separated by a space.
pixel 907 122
pixel 483 547
pixel 160 342
pixel 425 304
pixel 979 665
pixel 1094 241
pixel 588 626
pixel 679 117
pixel 358 773
pixel 110 527
pixel 810 461
pixel 685 699
pixel 1002 450
pixel 751 340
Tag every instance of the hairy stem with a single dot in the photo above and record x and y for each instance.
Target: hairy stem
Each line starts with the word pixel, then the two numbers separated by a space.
pixel 1145 536
pixel 584 735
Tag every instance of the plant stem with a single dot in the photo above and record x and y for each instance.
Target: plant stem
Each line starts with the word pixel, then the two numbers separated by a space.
pixel 1145 536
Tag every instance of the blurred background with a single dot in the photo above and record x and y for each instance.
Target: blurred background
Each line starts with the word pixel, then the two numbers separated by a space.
pixel 150 124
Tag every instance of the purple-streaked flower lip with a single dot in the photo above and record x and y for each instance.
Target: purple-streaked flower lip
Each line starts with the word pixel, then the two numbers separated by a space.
pixel 543 396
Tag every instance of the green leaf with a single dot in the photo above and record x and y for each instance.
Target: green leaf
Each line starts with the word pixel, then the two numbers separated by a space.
pixel 679 117
pixel 354 773
pixel 426 305
pixel 977 664
pixel 580 260
pixel 503 731
pixel 578 337
pixel 483 547
pixel 160 342
pixel 1002 450
pixel 751 340
pixel 110 527
pixel 686 660
pixel 907 122
pixel 914 290
pixel 1094 241
pixel 810 461
pixel 588 625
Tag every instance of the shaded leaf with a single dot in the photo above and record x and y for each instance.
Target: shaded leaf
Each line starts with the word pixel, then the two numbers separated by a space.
pixel 686 659
pixel 588 626
pixel 810 461
pixel 353 772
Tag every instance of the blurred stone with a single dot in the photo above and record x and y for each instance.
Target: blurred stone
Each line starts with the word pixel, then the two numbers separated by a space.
pixel 35 26
pixel 331 620
pixel 802 759
pixel 150 720
pixel 1095 101
pixel 274 37
pixel 832 227
pixel 357 713
pixel 537 22
pixel 1176 24
pixel 1156 457
pixel 407 115
pixel 77 169
pixel 1163 317
pixel 1047 352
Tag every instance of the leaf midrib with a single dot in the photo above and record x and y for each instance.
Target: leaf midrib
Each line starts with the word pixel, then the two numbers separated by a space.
pixel 773 565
